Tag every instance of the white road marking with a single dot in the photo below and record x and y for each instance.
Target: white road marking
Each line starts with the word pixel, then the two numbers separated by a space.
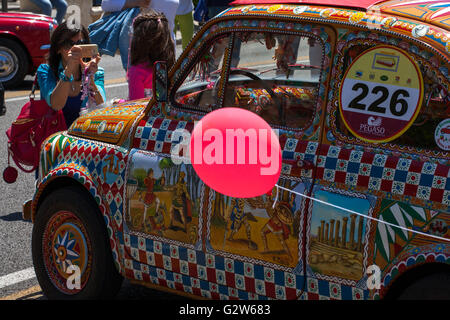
pixel 115 85
pixel 17 277
pixel 19 98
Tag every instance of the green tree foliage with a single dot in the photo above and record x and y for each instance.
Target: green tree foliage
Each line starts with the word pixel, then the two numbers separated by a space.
pixel 140 174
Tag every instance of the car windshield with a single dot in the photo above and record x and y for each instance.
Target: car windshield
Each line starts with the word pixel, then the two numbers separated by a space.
pixel 277 56
pixel 274 75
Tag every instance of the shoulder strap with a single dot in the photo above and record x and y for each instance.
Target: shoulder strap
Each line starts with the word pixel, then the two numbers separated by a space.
pixel 33 88
pixel 18 163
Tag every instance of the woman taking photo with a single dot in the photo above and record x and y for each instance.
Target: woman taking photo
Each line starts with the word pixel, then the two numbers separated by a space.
pixel 60 80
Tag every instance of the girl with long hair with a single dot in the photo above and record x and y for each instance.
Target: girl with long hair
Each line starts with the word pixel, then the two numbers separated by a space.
pixel 151 42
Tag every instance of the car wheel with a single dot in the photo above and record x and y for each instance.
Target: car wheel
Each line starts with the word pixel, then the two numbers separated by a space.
pixel 434 286
pixel 14 62
pixel 70 248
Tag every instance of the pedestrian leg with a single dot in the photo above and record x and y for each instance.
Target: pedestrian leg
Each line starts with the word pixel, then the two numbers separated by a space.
pixel 186 23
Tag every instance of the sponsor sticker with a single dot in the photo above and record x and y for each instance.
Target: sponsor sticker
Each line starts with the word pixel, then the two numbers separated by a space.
pixel 442 135
pixel 381 94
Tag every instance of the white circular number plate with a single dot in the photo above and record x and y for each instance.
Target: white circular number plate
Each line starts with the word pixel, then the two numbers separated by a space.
pixel 381 94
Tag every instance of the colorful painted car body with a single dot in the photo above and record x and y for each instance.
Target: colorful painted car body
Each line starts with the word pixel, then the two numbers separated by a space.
pixel 24 41
pixel 360 99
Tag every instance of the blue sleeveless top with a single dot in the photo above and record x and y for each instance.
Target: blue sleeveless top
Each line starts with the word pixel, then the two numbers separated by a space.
pixel 72 109
pixel 47 83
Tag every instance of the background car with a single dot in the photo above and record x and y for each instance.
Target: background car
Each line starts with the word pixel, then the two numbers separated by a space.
pixel 24 41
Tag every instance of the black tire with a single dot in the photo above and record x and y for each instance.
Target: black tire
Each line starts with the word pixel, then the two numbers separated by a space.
pixel 434 286
pixel 71 209
pixel 14 63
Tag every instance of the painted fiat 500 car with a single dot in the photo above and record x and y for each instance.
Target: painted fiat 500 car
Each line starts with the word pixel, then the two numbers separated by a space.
pixel 359 93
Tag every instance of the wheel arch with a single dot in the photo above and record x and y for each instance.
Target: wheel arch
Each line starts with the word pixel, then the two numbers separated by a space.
pixel 56 180
pixel 412 269
pixel 15 38
pixel 54 184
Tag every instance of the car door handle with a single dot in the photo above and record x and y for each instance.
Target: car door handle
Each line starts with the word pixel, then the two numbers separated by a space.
pixel 302 164
pixel 305 164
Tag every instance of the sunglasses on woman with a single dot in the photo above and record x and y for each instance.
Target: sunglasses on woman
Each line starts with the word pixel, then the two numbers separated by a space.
pixel 67 44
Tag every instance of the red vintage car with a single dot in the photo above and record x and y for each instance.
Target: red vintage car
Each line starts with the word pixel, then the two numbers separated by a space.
pixel 24 41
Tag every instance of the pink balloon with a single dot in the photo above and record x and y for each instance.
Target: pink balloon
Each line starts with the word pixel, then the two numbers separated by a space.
pixel 235 152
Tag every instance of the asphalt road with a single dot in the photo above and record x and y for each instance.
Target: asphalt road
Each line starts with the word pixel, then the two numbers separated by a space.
pixel 15 234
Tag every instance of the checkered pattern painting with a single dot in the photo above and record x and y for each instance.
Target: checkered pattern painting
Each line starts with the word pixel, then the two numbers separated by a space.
pixel 217 277
pixel 400 176
pixel 155 134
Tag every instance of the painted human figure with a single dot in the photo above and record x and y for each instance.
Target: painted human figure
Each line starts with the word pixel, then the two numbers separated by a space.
pixel 292 204
pixel 162 180
pixel 238 219
pixel 181 203
pixel 157 221
pixel 281 218
pixel 278 225
pixel 149 197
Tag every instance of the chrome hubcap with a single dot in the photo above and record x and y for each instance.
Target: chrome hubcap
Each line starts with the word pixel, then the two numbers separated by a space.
pixel 8 64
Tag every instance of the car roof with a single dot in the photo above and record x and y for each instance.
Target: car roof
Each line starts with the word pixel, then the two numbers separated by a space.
pixel 356 4
pixel 435 12
pixel 428 20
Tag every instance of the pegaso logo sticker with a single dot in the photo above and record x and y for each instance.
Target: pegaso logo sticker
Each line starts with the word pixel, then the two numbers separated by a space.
pixel 442 135
pixel 381 94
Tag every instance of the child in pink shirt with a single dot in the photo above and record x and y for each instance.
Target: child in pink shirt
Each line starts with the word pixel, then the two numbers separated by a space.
pixel 140 80
pixel 151 42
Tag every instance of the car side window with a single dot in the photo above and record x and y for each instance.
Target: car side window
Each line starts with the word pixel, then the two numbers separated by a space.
pixel 434 110
pixel 276 76
pixel 199 89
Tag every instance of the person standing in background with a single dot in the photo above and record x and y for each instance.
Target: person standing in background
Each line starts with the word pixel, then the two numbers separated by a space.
pixel 119 5
pixel 169 8
pixel 109 38
pixel 151 42
pixel 47 6
pixel 112 32
pixel 185 20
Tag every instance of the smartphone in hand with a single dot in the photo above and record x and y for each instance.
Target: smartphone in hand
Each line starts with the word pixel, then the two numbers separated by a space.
pixel 88 51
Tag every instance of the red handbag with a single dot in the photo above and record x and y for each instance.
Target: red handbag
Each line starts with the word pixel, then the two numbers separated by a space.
pixel 35 123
